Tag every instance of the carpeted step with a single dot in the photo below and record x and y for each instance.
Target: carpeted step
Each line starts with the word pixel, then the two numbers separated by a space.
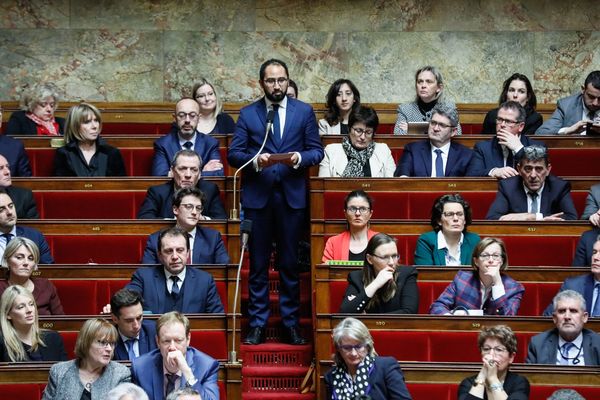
pixel 280 379
pixel 276 355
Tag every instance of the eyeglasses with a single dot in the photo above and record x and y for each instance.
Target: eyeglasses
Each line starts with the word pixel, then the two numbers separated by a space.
pixel 44 104
pixel 440 124
pixel 392 257
pixel 497 350
pixel 508 122
pixel 183 115
pixel 360 131
pixel 451 214
pixel 273 81
pixel 360 210
pixel 190 207
pixel 105 343
pixel 347 348
pixel 486 256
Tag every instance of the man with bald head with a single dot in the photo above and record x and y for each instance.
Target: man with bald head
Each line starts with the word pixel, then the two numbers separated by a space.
pixel 21 197
pixel 186 116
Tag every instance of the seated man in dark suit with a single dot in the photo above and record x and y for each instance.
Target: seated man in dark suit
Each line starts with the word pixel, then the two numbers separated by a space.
pixel 172 286
pixel 9 229
pixel 23 198
pixel 569 343
pixel 573 113
pixel 206 244
pixel 136 335
pixel 175 364
pixel 497 157
pixel 187 112
pixel 585 248
pixel 534 194
pixel 437 156
pixel 588 285
pixel 15 154
pixel 185 170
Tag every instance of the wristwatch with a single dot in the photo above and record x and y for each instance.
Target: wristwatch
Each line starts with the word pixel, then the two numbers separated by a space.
pixel 191 382
pixel 496 387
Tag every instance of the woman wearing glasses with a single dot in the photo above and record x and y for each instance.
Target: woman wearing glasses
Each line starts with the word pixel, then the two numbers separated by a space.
pixel 382 286
pixel 358 370
pixel 343 98
pixel 22 339
pixel 92 374
pixel 449 243
pixel 516 88
pixel 352 243
pixel 85 152
pixel 211 119
pixel 486 288
pixel 358 155
pixel 498 346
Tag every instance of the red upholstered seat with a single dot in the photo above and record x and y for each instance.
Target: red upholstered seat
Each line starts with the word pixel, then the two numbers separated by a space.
pixel 543 392
pixel 574 162
pixel 82 297
pixel 88 204
pixel 41 160
pixel 138 162
pixel 69 338
pixel 22 391
pixel 213 343
pixel 135 128
pixel 99 249
pixel 429 391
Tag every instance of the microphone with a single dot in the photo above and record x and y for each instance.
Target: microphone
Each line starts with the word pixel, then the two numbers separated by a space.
pixel 245 230
pixel 270 116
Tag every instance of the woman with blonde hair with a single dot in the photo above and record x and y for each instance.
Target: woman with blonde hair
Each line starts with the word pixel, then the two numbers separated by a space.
pixel 211 119
pixel 36 116
pixel 85 153
pixel 22 339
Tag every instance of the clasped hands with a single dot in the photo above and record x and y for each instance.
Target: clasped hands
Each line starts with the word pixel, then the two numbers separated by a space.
pixel 265 160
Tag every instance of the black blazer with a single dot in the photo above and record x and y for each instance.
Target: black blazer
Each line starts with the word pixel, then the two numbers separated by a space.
pixel 53 351
pixel 405 301
pixel 516 386
pixel 20 124
pixel 107 161
pixel 146 341
pixel 159 201
pixel 24 202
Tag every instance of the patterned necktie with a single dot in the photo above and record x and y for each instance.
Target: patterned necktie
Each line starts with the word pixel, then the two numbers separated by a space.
pixel 439 164
pixel 188 145
pixel 276 124
pixel 175 288
pixel 534 203
pixel 564 353
pixel 130 352
pixel 171 378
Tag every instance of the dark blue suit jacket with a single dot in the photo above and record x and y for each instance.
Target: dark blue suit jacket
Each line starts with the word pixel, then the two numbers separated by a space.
pixel 583 284
pixel 23 201
pixel 300 135
pixel 166 147
pixel 583 252
pixel 147 372
pixel 208 248
pixel 511 198
pixel 416 160
pixel 386 381
pixel 159 201
pixel 199 291
pixel 487 154
pixel 38 238
pixel 14 152
pixel 542 348
pixel 146 341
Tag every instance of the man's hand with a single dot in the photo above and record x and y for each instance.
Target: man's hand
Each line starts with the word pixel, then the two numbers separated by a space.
pixel 213 165
pixel 504 172
pixel 510 140
pixel 595 218
pixel 263 160
pixel 403 126
pixel 576 128
pixel 554 217
pixel 106 309
pixel 176 362
pixel 518 217
pixel 292 161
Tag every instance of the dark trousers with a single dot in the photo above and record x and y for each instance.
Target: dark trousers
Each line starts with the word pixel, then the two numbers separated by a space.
pixel 278 223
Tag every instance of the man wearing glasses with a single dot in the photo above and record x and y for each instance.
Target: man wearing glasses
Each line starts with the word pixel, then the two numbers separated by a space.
pixel 569 343
pixel 437 156
pixel 206 244
pixel 497 157
pixel 274 194
pixel 187 137
pixel 533 194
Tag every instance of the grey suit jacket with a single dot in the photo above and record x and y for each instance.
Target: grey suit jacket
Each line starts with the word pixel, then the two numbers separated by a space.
pixel 568 111
pixel 542 348
pixel 592 202
pixel 64 382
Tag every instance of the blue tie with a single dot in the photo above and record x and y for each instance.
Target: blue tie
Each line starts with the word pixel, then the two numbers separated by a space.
pixel 175 288
pixel 439 164
pixel 534 203
pixel 130 352
pixel 564 353
pixel 188 145
pixel 596 309
pixel 7 237
pixel 276 126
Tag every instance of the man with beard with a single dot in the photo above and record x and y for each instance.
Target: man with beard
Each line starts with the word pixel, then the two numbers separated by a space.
pixel 274 194
pixel 186 116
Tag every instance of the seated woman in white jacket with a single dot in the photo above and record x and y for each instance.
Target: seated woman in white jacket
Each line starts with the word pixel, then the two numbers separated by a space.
pixel 358 155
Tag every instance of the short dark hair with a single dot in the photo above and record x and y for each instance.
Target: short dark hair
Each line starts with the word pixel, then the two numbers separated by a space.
pixel 173 231
pixel 185 153
pixel 515 106
pixel 438 209
pixel 502 333
pixel 366 115
pixel 593 78
pixel 448 111
pixel 272 61
pixel 533 153
pixel 358 194
pixel 531 98
pixel 188 191
pixel 332 114
pixel 293 85
pixel 124 298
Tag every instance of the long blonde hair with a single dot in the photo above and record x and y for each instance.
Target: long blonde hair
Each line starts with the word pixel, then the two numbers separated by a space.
pixel 14 346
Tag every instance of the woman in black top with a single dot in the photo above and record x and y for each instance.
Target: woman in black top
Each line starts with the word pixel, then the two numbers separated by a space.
pixel 86 153
pixel 36 116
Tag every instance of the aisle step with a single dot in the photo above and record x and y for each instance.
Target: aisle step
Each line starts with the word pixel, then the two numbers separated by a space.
pixel 272 379
pixel 276 354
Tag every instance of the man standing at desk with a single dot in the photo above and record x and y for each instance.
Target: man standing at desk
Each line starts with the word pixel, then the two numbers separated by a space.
pixel 274 194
